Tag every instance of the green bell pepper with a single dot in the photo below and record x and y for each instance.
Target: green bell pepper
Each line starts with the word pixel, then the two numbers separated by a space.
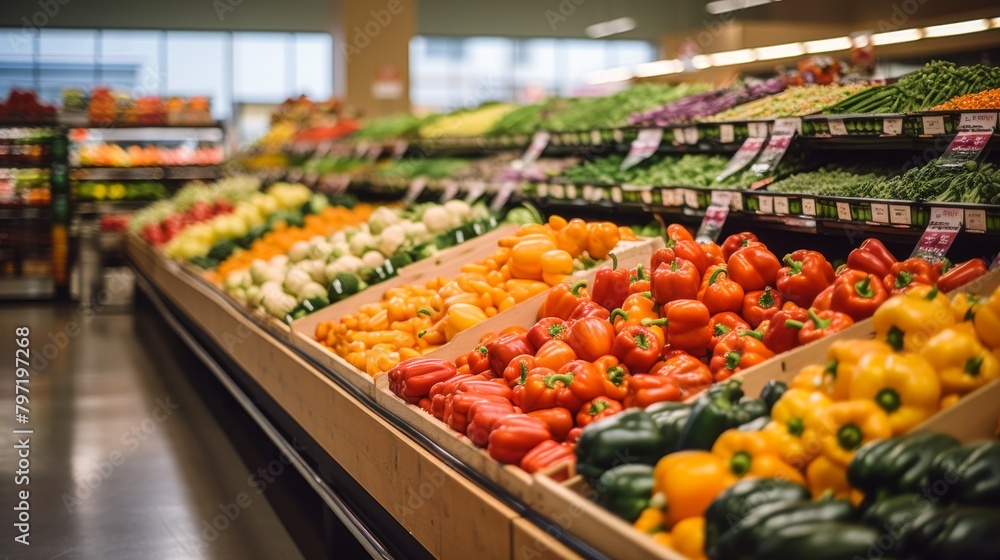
pixel 718 409
pixel 628 437
pixel 744 538
pixel 896 465
pixel 829 540
pixel 895 516
pixel 743 498
pixel 971 473
pixel 771 392
pixel 968 533
pixel 625 490
pixel 343 286
pixel 670 417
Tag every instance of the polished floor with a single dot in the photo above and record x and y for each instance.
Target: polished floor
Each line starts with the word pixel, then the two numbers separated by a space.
pixel 126 460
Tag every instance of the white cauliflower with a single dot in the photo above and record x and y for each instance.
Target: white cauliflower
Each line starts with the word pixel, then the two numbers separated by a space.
pixel 373 259
pixel 391 239
pixel 360 243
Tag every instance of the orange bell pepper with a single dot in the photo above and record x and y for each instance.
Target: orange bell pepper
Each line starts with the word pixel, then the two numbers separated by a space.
pixel 526 257
pixel 718 292
pixel 563 300
pixel 602 237
pixel 572 238
pixel 686 482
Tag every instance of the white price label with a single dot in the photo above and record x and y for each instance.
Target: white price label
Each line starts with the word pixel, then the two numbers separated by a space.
pixel 399 148
pixel 809 206
pixel 975 220
pixel 646 195
pixel 503 195
pixel 942 229
pixel 844 211
pixel 899 215
pixel 616 195
pixel 618 136
pixel 837 127
pixel 690 198
pixel 595 137
pixel 766 205
pixel 678 134
pixel 892 126
pixel 727 134
pixel 737 201
pixel 450 190
pixel 880 213
pixel 691 135
pixel 557 191
pixel 757 129
pixel 571 191
pixel 780 205
pixel 542 189
pixel 791 125
pixel 644 146
pixel 476 190
pixel 362 149
pixel 933 125
pixel 538 143
pixel 978 121
pixel 721 198
pixel 712 223
pixel 416 187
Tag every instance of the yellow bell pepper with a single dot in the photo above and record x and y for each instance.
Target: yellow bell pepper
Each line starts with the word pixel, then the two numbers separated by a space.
pixel 987 321
pixel 688 537
pixel 557 222
pixel 751 454
pixel 556 264
pixel 573 237
pixel 964 307
pixel 842 358
pixel 949 400
pixel 650 521
pixel 826 477
pixel 534 229
pixel 843 427
pixel 688 481
pixel 907 321
pixel 903 385
pixel 602 237
pixel 961 361
pixel 664 538
pixel 461 316
pixel 526 258
pixel 794 443
pixel 811 378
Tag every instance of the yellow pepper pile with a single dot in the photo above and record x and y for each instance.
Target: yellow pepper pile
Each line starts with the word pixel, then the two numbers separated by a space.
pixel 413 320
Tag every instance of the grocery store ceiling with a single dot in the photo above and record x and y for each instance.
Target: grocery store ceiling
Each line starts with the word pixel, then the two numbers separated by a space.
pixel 516 18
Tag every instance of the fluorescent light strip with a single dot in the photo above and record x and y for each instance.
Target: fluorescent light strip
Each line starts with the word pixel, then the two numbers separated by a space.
pixel 608 76
pixel 960 28
pixel 780 51
pixel 729 58
pixel 610 27
pixel 701 61
pixel 995 21
pixel 828 45
pixel 726 6
pixel 893 37
pixel 659 68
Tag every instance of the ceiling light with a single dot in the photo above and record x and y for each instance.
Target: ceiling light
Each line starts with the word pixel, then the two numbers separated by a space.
pixel 828 45
pixel 893 37
pixel 659 68
pixel 780 51
pixel 726 6
pixel 995 22
pixel 610 27
pixel 608 76
pixel 701 61
pixel 727 58
pixel 959 28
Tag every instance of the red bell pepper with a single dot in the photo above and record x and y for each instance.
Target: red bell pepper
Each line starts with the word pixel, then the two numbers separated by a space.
pixel 823 300
pixel 677 232
pixel 647 389
pixel 483 386
pixel 737 241
pixel 904 275
pixel 520 387
pixel 614 375
pixel 690 373
pixel 442 390
pixel 821 324
pixel 713 253
pixel 514 436
pixel 687 326
pixel 718 292
pixel 482 416
pixel 804 276
pixel 961 274
pixel 724 323
pixel 563 299
pixel 558 419
pixel 638 281
pixel 517 370
pixel 660 256
pixel 678 279
pixel 738 351
pixel 412 380
pixel 761 305
pixel 426 405
pixel 637 347
pixel 690 250
pixel 871 257
pixel 589 309
pixel 601 407
pixel 548 391
pixel 611 285
pixel 477 360
pixel 573 436
pixel 547 329
pixel 753 267
pixel 554 354
pixel 591 337
pixel 587 382
pixel 781 332
pixel 456 409
pixel 548 454
pixel 857 294
pixel 505 347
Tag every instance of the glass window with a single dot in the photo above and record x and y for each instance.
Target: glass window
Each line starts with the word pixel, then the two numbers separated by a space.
pixel 581 56
pixel 632 53
pixel 66 58
pixel 447 48
pixel 259 67
pixel 17 51
pixel 314 65
pixel 535 73
pixel 487 70
pixel 130 60
pixel 196 66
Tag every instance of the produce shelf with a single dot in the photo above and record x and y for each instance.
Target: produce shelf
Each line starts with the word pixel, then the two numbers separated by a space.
pixel 184 172
pixel 108 207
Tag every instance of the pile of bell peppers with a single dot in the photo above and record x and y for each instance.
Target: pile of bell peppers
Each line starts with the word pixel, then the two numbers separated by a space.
pixel 839 446
pixel 410 321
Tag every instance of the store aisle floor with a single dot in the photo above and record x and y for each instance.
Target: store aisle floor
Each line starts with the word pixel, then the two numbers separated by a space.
pixel 126 460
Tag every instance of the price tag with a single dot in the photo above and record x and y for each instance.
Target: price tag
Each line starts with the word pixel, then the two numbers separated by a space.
pixel 766 205
pixel 691 198
pixel 678 134
pixel 837 127
pixel 787 126
pixel 844 211
pixel 892 126
pixel 965 147
pixel 450 190
pixel 742 158
pixel 809 206
pixel 975 220
pixel 571 191
pixel 712 223
pixel 375 151
pixel 757 129
pixel 503 195
pixel 618 136
pixel 780 205
pixel 644 146
pixel 399 148
pixel 538 143
pixel 978 121
pixel 727 134
pixel 616 195
pixel 417 186
pixel 646 196
pixel 772 154
pixel 557 191
pixel 880 213
pixel 942 229
pixel 542 189
pixel 362 149
pixel 667 197
pixel 736 202
pixel 933 125
pixel 691 135
pixel 476 190
pixel 899 215
pixel 595 137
